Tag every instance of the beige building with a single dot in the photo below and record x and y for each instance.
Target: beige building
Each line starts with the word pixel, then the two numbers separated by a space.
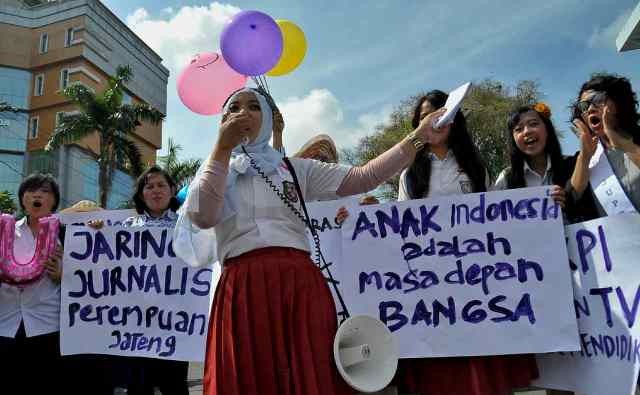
pixel 629 37
pixel 44 47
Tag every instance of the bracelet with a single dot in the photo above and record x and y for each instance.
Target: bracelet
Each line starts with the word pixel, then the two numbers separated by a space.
pixel 415 140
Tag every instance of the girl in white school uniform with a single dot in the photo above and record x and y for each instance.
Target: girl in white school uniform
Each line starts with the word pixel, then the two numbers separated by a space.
pixel 273 319
pixel 30 313
pixel 536 160
pixel 450 165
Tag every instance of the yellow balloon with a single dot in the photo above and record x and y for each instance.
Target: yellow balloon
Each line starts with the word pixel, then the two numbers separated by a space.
pixel 294 47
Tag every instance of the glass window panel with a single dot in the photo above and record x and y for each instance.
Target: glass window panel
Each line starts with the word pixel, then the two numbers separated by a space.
pixel 15 87
pixel 11 173
pixel 13 128
pixel 121 189
pixel 82 176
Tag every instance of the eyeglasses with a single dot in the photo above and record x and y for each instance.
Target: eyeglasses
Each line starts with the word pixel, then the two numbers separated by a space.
pixel 597 99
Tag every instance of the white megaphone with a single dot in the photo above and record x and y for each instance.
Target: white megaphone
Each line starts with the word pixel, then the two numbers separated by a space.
pixel 366 353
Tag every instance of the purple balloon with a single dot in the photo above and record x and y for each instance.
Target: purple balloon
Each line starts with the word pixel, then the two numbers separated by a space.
pixel 251 43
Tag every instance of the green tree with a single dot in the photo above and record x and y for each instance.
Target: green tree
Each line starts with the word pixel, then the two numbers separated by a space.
pixel 486 107
pixel 114 122
pixel 6 107
pixel 384 137
pixel 7 204
pixel 181 171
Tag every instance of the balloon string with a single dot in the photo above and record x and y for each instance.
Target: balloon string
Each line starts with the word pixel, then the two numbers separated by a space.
pixel 256 80
pixel 261 82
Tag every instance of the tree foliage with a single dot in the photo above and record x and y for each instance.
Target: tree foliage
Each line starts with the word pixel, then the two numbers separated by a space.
pixel 182 171
pixel 114 122
pixel 6 107
pixel 7 203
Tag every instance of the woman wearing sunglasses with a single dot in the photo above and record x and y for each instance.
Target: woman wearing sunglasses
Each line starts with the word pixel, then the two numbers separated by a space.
pixel 606 115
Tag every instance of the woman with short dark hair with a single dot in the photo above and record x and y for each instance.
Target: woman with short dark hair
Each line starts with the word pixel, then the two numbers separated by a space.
pixel 30 312
pixel 156 204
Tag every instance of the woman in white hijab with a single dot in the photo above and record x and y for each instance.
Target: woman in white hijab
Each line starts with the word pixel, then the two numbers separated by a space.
pixel 273 319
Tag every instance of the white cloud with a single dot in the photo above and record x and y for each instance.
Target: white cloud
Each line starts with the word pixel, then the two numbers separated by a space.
pixel 178 35
pixel 605 37
pixel 137 17
pixel 321 112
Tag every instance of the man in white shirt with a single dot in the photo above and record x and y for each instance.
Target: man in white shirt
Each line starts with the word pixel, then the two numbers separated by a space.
pixel 30 313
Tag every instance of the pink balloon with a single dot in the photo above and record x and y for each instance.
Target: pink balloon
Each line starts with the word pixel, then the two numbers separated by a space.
pixel 206 82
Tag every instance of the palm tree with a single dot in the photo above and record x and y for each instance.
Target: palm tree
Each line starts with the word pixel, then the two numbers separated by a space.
pixel 181 171
pixel 6 107
pixel 115 123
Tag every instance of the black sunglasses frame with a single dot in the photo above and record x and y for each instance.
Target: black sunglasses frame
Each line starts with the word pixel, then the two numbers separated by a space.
pixel 597 99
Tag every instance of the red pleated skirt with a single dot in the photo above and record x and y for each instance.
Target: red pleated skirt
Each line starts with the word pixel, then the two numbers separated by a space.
pixel 486 375
pixel 272 327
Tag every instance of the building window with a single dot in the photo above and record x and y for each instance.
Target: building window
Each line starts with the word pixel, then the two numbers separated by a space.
pixel 38 89
pixel 64 78
pixel 68 37
pixel 33 128
pixel 44 43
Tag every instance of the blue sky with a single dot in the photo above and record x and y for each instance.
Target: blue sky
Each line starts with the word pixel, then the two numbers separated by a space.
pixel 364 57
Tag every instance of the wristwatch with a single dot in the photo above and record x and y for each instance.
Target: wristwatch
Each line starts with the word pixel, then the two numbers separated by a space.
pixel 415 140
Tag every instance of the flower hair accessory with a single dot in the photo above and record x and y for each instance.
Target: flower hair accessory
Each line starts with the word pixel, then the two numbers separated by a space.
pixel 543 109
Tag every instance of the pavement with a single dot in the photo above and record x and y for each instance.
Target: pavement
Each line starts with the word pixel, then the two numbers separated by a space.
pixel 196 371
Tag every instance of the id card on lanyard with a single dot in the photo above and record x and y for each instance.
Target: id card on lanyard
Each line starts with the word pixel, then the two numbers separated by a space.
pixel 606 185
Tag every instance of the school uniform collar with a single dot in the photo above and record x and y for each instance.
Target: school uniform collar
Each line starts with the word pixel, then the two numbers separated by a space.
pixel 167 215
pixel 448 156
pixel 528 169
pixel 21 226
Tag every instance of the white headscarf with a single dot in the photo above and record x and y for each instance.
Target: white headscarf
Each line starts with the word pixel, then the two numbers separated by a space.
pixel 197 246
pixel 263 155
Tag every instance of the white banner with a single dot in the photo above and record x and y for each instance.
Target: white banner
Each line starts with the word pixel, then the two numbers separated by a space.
pixel 606 185
pixel 606 273
pixel 125 293
pixel 323 220
pixel 477 274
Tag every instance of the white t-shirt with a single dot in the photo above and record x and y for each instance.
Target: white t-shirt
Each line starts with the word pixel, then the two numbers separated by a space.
pixel 447 178
pixel 263 220
pixel 531 177
pixel 36 304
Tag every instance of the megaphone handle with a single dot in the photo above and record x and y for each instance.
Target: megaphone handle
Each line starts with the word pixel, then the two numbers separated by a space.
pixel 352 355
